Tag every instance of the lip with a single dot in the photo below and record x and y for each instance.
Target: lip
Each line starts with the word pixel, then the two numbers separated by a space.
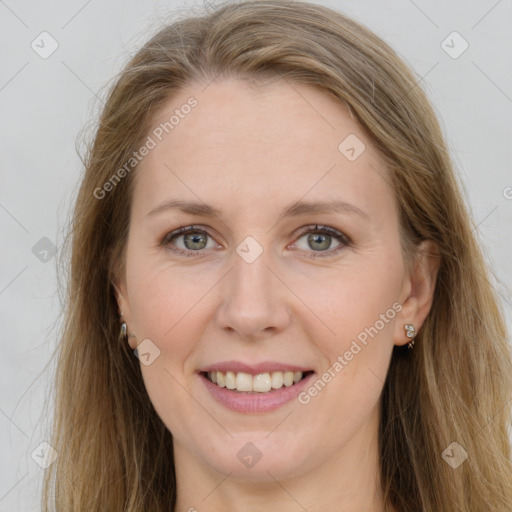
pixel 255 402
pixel 253 369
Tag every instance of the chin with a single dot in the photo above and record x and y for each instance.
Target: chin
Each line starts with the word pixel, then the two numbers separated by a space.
pixel 255 457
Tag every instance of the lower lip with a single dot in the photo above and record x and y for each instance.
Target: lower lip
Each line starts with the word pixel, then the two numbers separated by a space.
pixel 255 402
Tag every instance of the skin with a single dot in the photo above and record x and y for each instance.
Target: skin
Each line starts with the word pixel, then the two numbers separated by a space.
pixel 250 152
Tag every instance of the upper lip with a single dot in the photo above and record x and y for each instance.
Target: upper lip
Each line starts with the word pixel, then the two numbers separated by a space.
pixel 253 369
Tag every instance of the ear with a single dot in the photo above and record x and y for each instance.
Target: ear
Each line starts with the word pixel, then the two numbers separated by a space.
pixel 418 290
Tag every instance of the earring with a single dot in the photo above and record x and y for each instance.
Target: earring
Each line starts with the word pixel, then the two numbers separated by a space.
pixel 123 330
pixel 410 332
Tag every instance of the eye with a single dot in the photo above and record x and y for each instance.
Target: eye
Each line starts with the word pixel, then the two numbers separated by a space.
pixel 320 239
pixel 193 239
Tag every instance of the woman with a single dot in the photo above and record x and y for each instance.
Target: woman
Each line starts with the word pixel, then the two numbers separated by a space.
pixel 276 298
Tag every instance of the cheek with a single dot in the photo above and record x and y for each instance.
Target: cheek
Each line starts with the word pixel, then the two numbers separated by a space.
pixel 352 300
pixel 168 310
pixel 163 296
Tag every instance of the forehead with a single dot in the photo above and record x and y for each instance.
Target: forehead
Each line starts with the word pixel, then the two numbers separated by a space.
pixel 280 141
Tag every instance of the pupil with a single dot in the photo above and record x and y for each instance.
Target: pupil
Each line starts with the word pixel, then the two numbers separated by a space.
pixel 323 240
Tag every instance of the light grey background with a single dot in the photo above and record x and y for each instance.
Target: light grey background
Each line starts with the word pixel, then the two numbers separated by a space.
pixel 46 102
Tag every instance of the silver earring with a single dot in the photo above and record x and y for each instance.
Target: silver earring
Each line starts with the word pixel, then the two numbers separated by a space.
pixel 410 332
pixel 123 330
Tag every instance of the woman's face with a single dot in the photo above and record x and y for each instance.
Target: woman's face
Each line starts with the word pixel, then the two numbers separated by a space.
pixel 275 280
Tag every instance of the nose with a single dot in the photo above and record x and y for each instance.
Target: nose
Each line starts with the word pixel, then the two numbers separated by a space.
pixel 254 300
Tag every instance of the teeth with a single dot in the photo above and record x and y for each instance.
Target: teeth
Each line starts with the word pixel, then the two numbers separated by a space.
pixel 261 383
pixel 288 379
pixel 230 380
pixel 277 380
pixel 243 382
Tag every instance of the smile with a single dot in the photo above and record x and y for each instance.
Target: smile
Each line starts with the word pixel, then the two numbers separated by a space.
pixel 260 383
pixel 262 392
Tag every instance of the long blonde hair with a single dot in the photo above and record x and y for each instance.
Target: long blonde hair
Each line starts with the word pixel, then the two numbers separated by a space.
pixel 455 386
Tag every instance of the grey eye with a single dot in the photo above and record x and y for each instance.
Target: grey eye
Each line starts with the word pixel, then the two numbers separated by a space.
pixel 317 242
pixel 194 241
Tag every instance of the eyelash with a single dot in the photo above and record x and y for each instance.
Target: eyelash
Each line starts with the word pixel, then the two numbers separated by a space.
pixel 344 240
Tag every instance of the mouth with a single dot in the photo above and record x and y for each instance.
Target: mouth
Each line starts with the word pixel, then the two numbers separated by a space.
pixel 246 383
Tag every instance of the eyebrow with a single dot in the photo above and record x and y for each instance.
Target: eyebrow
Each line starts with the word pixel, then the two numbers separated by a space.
pixel 293 210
